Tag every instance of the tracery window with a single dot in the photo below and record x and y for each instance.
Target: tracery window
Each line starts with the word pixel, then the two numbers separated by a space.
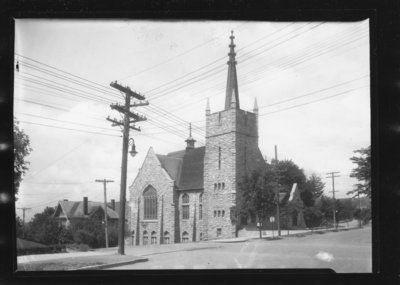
pixel 150 203
pixel 185 206
pixel 185 237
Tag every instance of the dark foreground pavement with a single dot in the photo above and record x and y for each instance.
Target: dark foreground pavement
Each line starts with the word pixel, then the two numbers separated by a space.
pixel 344 252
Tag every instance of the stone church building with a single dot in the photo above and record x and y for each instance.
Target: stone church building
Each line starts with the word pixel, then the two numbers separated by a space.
pixel 189 195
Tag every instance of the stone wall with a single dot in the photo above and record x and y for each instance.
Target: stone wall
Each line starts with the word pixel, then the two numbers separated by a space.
pixel 235 132
pixel 152 174
pixel 194 226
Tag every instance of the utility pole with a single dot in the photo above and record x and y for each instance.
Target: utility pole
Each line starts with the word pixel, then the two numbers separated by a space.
pixel 333 176
pixel 105 181
pixel 129 118
pixel 23 219
pixel 277 194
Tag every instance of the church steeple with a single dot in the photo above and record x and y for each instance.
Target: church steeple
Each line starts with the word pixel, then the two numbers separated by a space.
pixel 232 83
pixel 190 141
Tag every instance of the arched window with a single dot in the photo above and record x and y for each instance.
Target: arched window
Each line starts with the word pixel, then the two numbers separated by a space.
pixel 215 186
pixel 201 236
pixel 185 206
pixel 166 237
pixel 145 238
pixel 294 218
pixel 223 213
pixel 219 213
pixel 153 237
pixel 185 237
pixel 150 203
pixel 223 185
pixel 215 213
pixel 219 186
pixel 201 207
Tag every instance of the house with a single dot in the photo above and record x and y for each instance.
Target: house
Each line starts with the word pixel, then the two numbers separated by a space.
pixel 67 211
pixel 190 194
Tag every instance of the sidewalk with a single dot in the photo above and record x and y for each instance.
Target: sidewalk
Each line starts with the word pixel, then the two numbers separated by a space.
pixel 91 260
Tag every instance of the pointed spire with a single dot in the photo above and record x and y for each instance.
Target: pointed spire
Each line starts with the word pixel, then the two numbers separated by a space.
pixel 190 141
pixel 233 100
pixel 255 108
pixel 208 111
pixel 232 84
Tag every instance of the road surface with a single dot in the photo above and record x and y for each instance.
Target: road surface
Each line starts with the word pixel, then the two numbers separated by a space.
pixel 344 251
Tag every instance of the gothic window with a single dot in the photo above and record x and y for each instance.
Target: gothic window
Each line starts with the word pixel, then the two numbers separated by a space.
pixel 201 236
pixel 145 238
pixel 219 157
pixel 150 203
pixel 215 186
pixel 166 237
pixel 201 207
pixel 219 186
pixel 223 213
pixel 223 185
pixel 215 213
pixel 153 237
pixel 185 237
pixel 219 213
pixel 219 232
pixel 185 206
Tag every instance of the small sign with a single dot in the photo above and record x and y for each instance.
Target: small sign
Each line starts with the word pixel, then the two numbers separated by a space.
pixel 258 224
pixel 272 219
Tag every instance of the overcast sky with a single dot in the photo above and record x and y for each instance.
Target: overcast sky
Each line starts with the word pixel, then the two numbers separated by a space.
pixel 311 80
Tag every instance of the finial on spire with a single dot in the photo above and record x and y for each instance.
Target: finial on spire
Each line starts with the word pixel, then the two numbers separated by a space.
pixel 190 141
pixel 232 85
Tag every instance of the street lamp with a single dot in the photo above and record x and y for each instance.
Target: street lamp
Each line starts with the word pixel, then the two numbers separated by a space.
pixel 133 151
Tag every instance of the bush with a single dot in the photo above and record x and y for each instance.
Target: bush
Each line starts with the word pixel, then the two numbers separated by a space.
pixel 84 237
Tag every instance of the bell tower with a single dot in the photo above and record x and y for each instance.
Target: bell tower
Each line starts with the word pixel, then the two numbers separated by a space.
pixel 231 151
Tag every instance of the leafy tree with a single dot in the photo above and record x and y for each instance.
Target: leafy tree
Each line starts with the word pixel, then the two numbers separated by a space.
pixel 91 231
pixel 363 215
pixel 45 229
pixel 312 189
pixel 258 194
pixel 362 172
pixel 21 150
pixel 313 217
pixel 288 173
pixel 19 227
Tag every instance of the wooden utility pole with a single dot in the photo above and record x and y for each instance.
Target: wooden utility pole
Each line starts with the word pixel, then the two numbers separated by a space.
pixel 23 219
pixel 333 176
pixel 129 118
pixel 277 194
pixel 105 181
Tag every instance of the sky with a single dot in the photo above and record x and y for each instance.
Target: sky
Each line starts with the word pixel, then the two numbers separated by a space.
pixel 311 81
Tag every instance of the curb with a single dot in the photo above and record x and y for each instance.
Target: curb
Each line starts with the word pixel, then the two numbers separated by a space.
pixel 109 265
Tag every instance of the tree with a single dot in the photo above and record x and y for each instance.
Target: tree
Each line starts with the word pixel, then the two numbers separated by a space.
pixel 288 173
pixel 45 229
pixel 19 227
pixel 312 189
pixel 21 150
pixel 362 172
pixel 258 194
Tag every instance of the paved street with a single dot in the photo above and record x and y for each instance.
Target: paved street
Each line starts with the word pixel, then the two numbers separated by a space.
pixel 345 251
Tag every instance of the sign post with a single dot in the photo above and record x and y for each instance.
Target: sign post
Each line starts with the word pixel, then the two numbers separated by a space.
pixel 272 220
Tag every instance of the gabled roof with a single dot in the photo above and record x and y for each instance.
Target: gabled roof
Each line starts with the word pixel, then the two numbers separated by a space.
pixel 75 209
pixel 185 167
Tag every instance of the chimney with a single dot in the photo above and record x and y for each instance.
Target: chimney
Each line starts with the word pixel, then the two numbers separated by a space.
pixel 113 204
pixel 85 206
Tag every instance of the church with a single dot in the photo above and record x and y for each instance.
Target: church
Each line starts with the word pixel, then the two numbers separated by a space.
pixel 190 195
